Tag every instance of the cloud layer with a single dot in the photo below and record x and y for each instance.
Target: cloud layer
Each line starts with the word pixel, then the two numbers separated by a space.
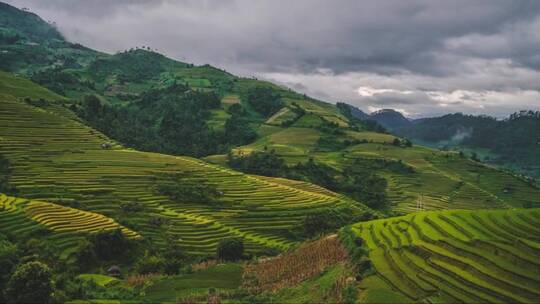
pixel 423 57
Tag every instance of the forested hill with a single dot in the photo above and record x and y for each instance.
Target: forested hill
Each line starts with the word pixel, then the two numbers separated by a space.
pixel 514 141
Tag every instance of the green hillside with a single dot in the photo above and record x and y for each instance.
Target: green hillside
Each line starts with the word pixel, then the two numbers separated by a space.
pixel 516 145
pixel 57 159
pixel 436 180
pixel 453 256
pixel 201 186
pixel 149 102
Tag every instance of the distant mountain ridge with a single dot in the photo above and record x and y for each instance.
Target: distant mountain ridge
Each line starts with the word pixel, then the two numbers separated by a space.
pixel 513 142
pixel 388 118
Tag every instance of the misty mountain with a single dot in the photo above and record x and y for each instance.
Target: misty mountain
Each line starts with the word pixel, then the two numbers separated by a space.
pixel 512 142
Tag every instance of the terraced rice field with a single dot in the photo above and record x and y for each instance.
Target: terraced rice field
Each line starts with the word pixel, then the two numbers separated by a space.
pixel 457 255
pixel 58 159
pixel 446 181
pixel 64 219
pixel 20 217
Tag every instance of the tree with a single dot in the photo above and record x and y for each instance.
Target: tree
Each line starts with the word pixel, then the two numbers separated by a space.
pixel 238 131
pixel 30 283
pixel 261 163
pixel 150 264
pixel 474 157
pixel 264 100
pixel 316 224
pixel 92 105
pixel 86 256
pixel 184 188
pixel 110 244
pixel 231 249
pixel 5 174
pixel 396 142
pixel 8 259
pixel 175 257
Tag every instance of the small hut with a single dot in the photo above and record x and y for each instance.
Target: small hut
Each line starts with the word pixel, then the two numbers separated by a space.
pixel 114 271
pixel 106 146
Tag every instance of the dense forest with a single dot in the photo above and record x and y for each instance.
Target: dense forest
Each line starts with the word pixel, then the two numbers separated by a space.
pixel 170 120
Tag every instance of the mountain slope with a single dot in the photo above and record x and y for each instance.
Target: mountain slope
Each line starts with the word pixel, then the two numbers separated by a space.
pixel 28 25
pixel 151 102
pixel 29 45
pixel 389 118
pixel 57 159
pixel 513 142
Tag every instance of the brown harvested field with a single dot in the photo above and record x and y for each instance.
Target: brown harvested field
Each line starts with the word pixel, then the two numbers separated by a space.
pixel 289 269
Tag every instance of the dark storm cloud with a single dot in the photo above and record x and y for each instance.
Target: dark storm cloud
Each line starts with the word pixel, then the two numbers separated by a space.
pixel 419 46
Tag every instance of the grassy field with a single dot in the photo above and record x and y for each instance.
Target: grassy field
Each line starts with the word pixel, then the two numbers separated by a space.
pixel 222 277
pixel 21 87
pixel 454 256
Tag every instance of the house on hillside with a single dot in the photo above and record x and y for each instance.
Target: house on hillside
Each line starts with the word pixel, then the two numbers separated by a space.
pixel 114 271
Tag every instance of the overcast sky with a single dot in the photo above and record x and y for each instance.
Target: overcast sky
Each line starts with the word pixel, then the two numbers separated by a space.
pixel 423 58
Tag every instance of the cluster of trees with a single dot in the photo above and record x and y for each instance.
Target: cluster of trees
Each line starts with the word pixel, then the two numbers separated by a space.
pixel 31 282
pixel 171 260
pixel 32 272
pixel 9 37
pixel 237 128
pixel 330 220
pixel 182 187
pixel 171 120
pixel 264 100
pixel 5 175
pixel 230 249
pixel 131 66
pixel 57 79
pixel 358 180
pixel 402 142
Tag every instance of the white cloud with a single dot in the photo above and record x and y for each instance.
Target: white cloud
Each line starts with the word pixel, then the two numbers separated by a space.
pixel 370 91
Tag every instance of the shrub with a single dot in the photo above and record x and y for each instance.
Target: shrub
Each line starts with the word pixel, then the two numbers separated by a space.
pixel 150 264
pixel 231 249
